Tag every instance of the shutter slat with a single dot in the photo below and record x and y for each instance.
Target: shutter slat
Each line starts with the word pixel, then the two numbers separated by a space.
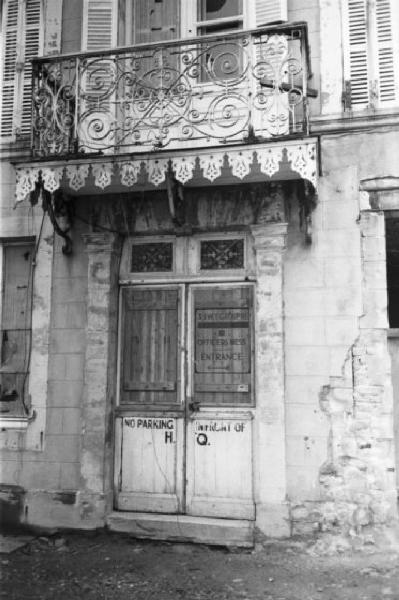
pixel 22 40
pixel 385 53
pixel 32 47
pixel 100 25
pixel 10 58
pixel 268 11
pixel 358 60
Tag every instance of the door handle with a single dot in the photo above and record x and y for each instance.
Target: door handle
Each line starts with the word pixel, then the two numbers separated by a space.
pixel 193 406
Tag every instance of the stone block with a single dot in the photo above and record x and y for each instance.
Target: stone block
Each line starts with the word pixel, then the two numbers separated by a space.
pixel 305 450
pixel 302 483
pixel 340 272
pixel 372 224
pixel 303 389
pixel 40 475
pixel 43 509
pixel 10 469
pixel 340 214
pixel 69 476
pixel 309 360
pixel 337 243
pixel 70 290
pixel 67 341
pixel 303 274
pixel 341 331
pixel 69 315
pixel 54 420
pixel 305 331
pixel 340 361
pixel 375 275
pixel 62 393
pixel 306 303
pixel 306 421
pixel 375 315
pixel 62 448
pixel 308 14
pixel 373 248
pixel 71 421
pixel 57 366
pixel 66 367
pixel 71 267
pixel 342 301
pixel 273 520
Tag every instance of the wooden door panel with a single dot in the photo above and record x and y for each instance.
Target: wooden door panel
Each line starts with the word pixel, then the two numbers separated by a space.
pixel 150 467
pixel 219 478
pixel 150 359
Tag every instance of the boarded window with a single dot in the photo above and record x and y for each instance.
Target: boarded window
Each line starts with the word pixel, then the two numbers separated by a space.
pixel 16 310
pixel 150 334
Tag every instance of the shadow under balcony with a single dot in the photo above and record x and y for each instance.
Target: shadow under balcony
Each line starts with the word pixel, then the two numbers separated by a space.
pixel 245 87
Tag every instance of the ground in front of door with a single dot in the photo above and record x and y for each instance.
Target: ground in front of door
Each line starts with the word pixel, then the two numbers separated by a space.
pixel 108 567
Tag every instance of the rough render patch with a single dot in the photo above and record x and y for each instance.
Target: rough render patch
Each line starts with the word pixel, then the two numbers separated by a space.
pixel 357 488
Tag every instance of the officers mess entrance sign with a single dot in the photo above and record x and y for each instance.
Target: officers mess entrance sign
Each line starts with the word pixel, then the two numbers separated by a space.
pixel 223 371
pixel 222 340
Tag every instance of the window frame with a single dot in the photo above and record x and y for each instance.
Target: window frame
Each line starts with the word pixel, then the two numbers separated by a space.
pixel 19 420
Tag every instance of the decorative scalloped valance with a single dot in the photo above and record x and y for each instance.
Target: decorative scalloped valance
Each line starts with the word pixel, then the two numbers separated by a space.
pixel 301 158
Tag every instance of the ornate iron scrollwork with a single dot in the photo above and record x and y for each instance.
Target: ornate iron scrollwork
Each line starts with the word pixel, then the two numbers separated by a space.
pixel 222 254
pixel 209 89
pixel 152 257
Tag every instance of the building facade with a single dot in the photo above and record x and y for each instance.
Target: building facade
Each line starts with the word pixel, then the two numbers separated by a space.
pixel 198 267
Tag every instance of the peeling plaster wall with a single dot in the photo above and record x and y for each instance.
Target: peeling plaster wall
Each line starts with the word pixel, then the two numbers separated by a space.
pixel 340 446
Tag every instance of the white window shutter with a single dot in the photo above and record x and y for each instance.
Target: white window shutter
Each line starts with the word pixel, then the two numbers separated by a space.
pixel 99 25
pixel 10 28
pixel 22 42
pixel 356 63
pixel 385 52
pixel 268 11
pixel 32 44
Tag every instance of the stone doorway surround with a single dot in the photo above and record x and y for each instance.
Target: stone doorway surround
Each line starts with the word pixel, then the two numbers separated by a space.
pixel 96 497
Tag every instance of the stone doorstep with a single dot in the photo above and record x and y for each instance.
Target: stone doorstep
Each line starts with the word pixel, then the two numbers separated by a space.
pixel 183 528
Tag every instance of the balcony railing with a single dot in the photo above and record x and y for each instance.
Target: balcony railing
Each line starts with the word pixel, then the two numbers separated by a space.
pixel 182 94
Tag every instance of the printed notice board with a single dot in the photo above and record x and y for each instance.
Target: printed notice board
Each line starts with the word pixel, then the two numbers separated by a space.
pixel 222 340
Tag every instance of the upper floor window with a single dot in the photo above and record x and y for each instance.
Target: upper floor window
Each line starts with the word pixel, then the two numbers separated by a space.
pixel 371 53
pixel 21 41
pixel 215 16
pixel 107 23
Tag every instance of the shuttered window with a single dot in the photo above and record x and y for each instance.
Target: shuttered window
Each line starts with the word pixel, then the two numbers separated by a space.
pixel 16 308
pixel 371 52
pixel 22 41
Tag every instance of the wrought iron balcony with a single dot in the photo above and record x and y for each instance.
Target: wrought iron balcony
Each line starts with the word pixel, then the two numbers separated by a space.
pixel 202 92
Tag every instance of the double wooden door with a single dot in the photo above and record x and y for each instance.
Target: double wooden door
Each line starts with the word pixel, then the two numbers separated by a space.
pixel 184 421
